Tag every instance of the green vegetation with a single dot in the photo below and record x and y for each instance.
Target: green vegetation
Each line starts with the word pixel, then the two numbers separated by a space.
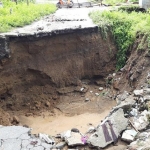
pixel 114 2
pixel 124 27
pixel 20 14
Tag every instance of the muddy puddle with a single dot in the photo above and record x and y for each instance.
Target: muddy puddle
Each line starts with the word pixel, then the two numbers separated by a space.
pixel 72 111
pixel 53 125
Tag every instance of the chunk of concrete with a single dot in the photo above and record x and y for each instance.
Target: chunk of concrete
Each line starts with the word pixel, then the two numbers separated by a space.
pixel 12 132
pixel 129 135
pixel 74 139
pixel 60 145
pixel 138 92
pixel 126 105
pixel 11 144
pixel 119 123
pixel 38 148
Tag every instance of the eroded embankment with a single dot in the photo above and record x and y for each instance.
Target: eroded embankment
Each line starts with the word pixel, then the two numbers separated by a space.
pixel 39 68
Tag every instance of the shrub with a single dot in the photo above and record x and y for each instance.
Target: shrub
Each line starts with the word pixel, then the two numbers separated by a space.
pixel 124 27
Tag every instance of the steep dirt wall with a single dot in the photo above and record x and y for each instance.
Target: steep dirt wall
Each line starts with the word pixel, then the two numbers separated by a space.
pixel 65 59
pixel 38 66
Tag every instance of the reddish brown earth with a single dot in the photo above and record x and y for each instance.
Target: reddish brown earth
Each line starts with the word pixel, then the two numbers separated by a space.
pixel 48 72
pixel 41 82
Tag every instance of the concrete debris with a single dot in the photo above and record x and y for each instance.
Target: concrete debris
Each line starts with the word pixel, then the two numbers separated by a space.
pixel 123 96
pixel 66 134
pixel 118 124
pixel 74 139
pixel 19 138
pixel 126 105
pixel 60 145
pixel 129 135
pixel 47 139
pixel 138 92
pixel 142 142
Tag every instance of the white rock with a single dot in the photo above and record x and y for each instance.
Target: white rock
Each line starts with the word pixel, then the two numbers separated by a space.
pixel 97 94
pixel 129 135
pixel 138 92
pixel 101 88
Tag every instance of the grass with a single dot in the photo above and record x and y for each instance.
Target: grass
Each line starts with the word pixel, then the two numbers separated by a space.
pixel 12 15
pixel 114 2
pixel 124 27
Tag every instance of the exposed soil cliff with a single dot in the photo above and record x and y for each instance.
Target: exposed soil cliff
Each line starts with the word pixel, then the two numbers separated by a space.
pixel 38 67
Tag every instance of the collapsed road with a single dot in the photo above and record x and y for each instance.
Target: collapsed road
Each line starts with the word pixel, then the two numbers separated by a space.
pixel 61 63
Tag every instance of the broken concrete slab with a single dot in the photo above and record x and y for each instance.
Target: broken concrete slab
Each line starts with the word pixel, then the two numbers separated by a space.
pixel 126 105
pixel 138 92
pixel 119 123
pixel 129 135
pixel 12 132
pixel 60 145
pixel 74 139
pixel 11 144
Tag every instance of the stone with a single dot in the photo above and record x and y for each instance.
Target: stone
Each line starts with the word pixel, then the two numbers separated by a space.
pixel 97 94
pixel 11 144
pixel 146 91
pixel 119 123
pixel 60 145
pixel 129 135
pixel 28 114
pixel 12 132
pixel 138 92
pixel 47 104
pixel 15 120
pixel 101 88
pixel 123 96
pixel 87 99
pixel 126 105
pixel 66 134
pixel 74 139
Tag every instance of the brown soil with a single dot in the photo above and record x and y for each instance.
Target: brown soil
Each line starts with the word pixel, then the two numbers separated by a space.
pixel 47 73
pixel 41 83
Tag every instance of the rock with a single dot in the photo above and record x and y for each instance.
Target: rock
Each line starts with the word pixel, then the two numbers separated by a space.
pixel 66 134
pixel 74 139
pixel 123 96
pixel 28 114
pixel 140 144
pixel 142 121
pixel 134 112
pixel 15 120
pixel 129 135
pixel 138 92
pixel 47 104
pixel 60 145
pixel 119 123
pixel 101 88
pixel 97 94
pixel 126 105
pixel 75 130
pixel 87 99
pixel 146 91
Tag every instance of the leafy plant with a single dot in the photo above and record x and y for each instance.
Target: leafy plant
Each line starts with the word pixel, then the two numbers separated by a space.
pixel 123 27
